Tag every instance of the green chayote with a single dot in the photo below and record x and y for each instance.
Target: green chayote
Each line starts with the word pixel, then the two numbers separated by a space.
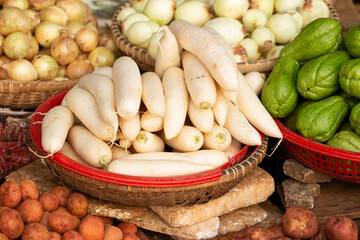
pixel 346 140
pixel 290 121
pixel 352 41
pixel 349 77
pixel 355 118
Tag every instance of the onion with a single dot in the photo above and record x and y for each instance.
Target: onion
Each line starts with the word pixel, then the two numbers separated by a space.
pixel 139 5
pixel 44 51
pixel 61 72
pixel 3 61
pixel 313 10
pixel 21 70
pixel 267 6
pixel 297 17
pixel 132 18
pixel 264 38
pixel 47 32
pixel 74 9
pixel 1 44
pixel 16 45
pixel 37 5
pixel 283 26
pixel 83 56
pixel 247 51
pixel 123 13
pixel 54 14
pixel 92 22
pixel 34 18
pixel 46 67
pixel 87 39
pixel 101 57
pixel 73 27
pixel 231 29
pixel 160 11
pixel 78 68
pixel 64 50
pixel 274 52
pixel 254 18
pixel 188 9
pixel 230 8
pixel 22 4
pixel 13 19
pixel 140 33
pixel 154 43
pixel 3 74
pixel 106 40
pixel 283 5
pixel 34 48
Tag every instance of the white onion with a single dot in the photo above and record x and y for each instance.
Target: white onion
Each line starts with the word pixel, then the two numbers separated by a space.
pixel 254 18
pixel 132 18
pixel 283 5
pixel 247 51
pixel 154 43
pixel 283 26
pixel 193 11
pixel 264 37
pixel 297 17
pixel 123 13
pixel 21 70
pixel 313 10
pixel 267 6
pixel 274 52
pixel 230 8
pixel 140 33
pixel 160 11
pixel 231 29
pixel 139 5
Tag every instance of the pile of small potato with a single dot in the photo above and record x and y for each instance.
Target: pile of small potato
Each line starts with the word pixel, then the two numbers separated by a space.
pixel 27 214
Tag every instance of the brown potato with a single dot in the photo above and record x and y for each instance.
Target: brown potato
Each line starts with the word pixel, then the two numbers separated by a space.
pixel 49 201
pixel 3 237
pixel 31 211
pixel 341 228
pixel 91 228
pixel 2 208
pixel 300 222
pixel 11 223
pixel 44 220
pixel 321 235
pixel 77 204
pixel 258 233
pixel 29 190
pixel 35 231
pixel 72 235
pixel 62 193
pixel 10 194
pixel 278 230
pixel 76 222
pixel 61 221
pixel 54 235
pixel 132 236
pixel 107 220
pixel 112 233
pixel 127 227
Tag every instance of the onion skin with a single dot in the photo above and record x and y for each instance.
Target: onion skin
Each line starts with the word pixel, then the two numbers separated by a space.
pixel 13 19
pixel 78 68
pixel 16 45
pixel 101 57
pixel 34 18
pixel 47 32
pixel 87 39
pixel 21 70
pixel 46 67
pixel 74 9
pixel 22 4
pixel 37 5
pixel 34 49
pixel 64 50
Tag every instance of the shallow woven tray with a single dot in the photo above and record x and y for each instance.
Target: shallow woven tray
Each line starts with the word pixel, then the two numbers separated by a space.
pixel 146 63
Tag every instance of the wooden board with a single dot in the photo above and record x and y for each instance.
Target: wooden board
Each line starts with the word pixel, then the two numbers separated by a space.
pixel 348 13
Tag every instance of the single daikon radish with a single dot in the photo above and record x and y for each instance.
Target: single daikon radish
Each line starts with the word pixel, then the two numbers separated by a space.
pixel 256 81
pixel 102 88
pixel 168 52
pixel 151 123
pixel 124 142
pixel 199 82
pixel 83 105
pixel 220 108
pixel 55 127
pixel 107 71
pixel 130 127
pixel 219 138
pixel 176 101
pixel 209 50
pixel 148 142
pixel 234 148
pixel 128 86
pixel 189 139
pixel 119 152
pixel 240 128
pixel 91 149
pixel 202 119
pixel 255 112
pixel 68 151
pixel 230 95
pixel 153 94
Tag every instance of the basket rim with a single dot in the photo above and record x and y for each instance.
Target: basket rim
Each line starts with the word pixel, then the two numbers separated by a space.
pixel 223 173
pixel 317 147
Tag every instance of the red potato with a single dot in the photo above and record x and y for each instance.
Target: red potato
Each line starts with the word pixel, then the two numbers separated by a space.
pixel 31 211
pixel 76 221
pixel 62 194
pixel 112 233
pixel 10 194
pixel 130 236
pixel 127 227
pixel 77 204
pixel 61 221
pixel 278 230
pixel 11 223
pixel 91 228
pixel 341 228
pixel 54 235
pixel 107 220
pixel 44 220
pixel 29 190
pixel 72 235
pixel 36 231
pixel 49 201
pixel 257 233
pixel 3 237
pixel 2 208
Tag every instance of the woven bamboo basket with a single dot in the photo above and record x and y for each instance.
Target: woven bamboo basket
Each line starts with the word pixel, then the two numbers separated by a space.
pixel 146 63
pixel 131 190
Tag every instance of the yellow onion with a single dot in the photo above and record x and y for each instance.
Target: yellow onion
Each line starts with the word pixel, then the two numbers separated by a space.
pixel 34 48
pixel 17 45
pixel 21 70
pixel 64 50
pixel 3 61
pixel 61 72
pixel 78 68
pixel 22 4
pixel 1 44
pixel 74 9
pixel 46 33
pixel 83 56
pixel 44 51
pixel 13 19
pixel 87 39
pixel 73 28
pixel 37 5
pixel 101 57
pixel 92 22
pixel 3 74
pixel 34 18
pixel 54 14
pixel 107 41
pixel 46 67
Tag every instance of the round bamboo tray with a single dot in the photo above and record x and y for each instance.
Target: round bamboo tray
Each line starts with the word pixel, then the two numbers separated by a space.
pixel 132 190
pixel 146 63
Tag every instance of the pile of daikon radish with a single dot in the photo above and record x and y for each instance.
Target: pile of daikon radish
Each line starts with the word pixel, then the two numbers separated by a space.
pixel 196 102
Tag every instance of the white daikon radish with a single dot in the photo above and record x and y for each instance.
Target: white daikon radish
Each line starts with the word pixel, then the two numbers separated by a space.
pixel 107 71
pixel 151 123
pixel 207 48
pixel 124 142
pixel 240 128
pixel 234 148
pixel 255 80
pixel 91 149
pixel 102 88
pixel 220 108
pixel 219 138
pixel 153 94
pixel 84 106
pixel 230 95
pixel 176 101
pixel 148 142
pixel 130 127
pixel 128 87
pixel 168 52
pixel 68 151
pixel 118 152
pixel 189 139
pixel 251 106
pixel 202 119
pixel 54 128
pixel 199 82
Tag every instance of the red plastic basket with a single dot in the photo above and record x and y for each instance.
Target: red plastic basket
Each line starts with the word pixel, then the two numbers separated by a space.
pixel 338 163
